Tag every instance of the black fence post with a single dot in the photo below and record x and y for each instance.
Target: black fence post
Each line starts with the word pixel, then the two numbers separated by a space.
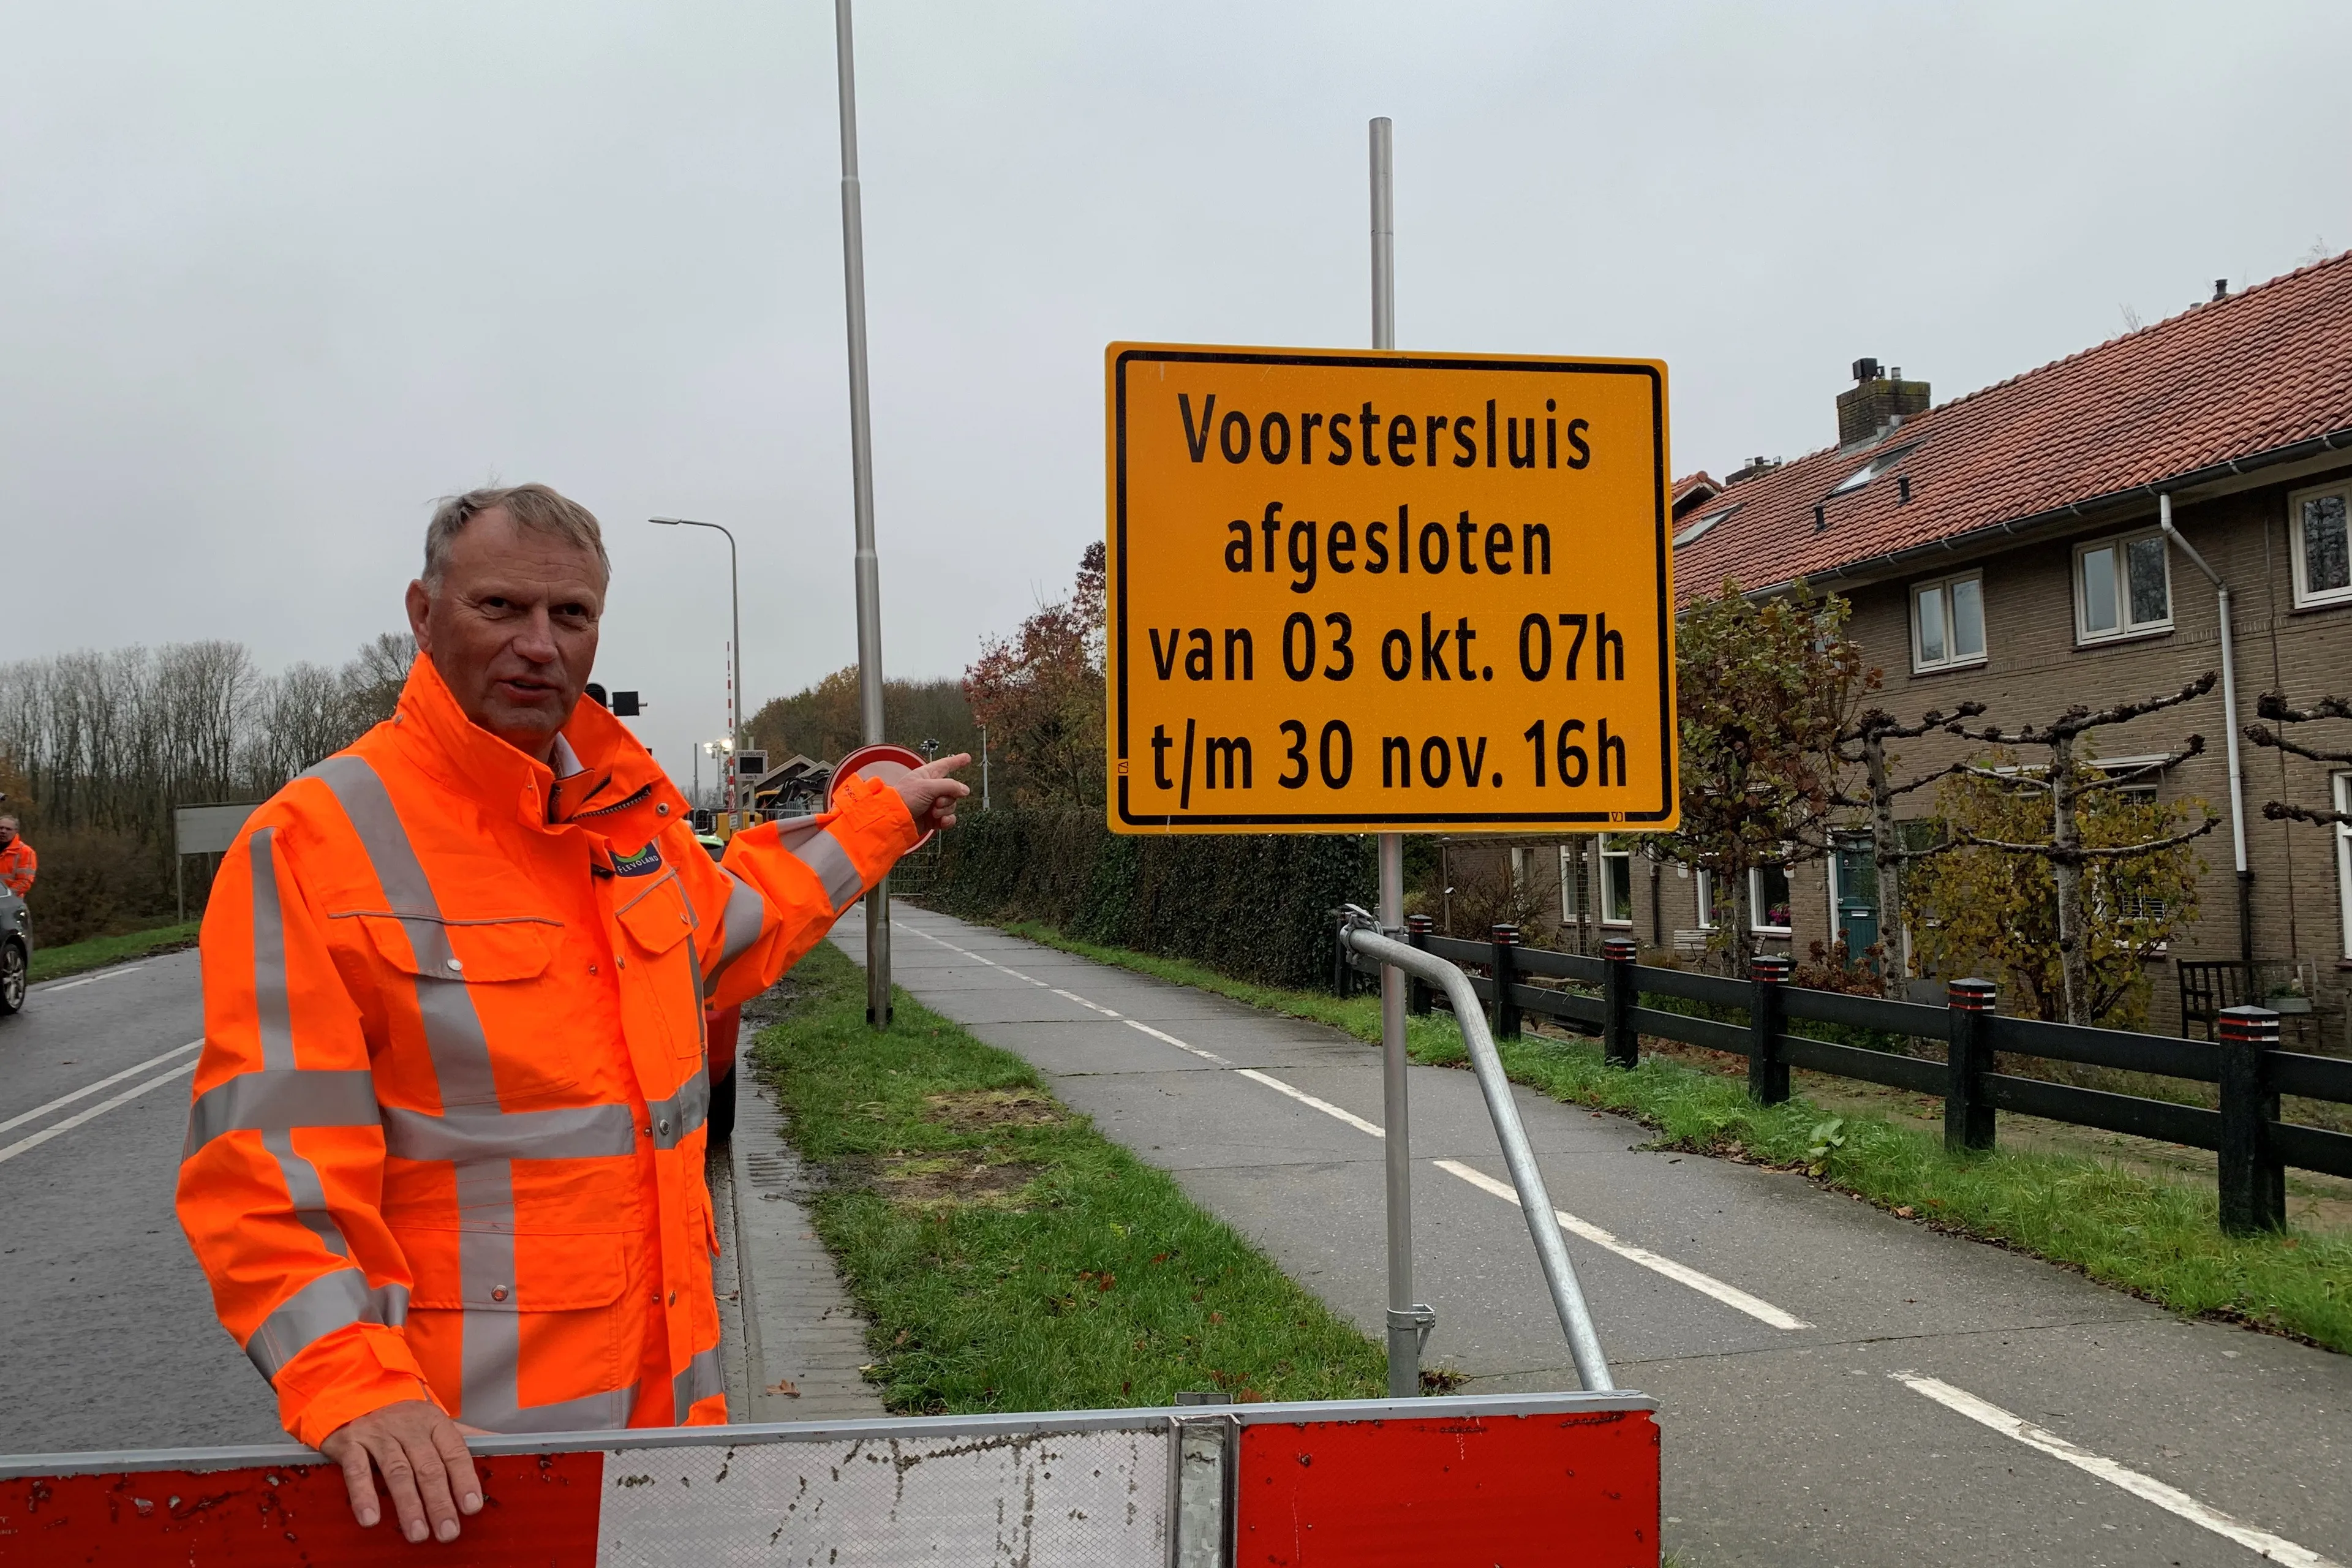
pixel 1968 1112
pixel 1621 1046
pixel 1416 996
pixel 1767 1075
pixel 2253 1181
pixel 1506 973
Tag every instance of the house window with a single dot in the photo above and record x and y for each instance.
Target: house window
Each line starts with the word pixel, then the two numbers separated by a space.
pixel 1768 900
pixel 2323 553
pixel 2344 857
pixel 1706 900
pixel 1573 906
pixel 1947 623
pixel 1616 880
pixel 2122 587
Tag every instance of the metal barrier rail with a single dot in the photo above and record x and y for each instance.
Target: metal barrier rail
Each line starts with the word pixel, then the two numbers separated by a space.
pixel 2254 1145
pixel 1560 1477
pixel 1534 1204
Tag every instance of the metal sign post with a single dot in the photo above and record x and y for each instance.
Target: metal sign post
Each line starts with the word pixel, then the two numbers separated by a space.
pixel 1409 1322
pixel 861 462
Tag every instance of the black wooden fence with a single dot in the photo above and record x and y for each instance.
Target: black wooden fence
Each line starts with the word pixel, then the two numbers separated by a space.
pixel 2251 1072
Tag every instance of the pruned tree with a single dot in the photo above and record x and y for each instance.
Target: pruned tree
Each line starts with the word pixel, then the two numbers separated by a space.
pixel 1764 691
pixel 1863 744
pixel 2069 782
pixel 2273 705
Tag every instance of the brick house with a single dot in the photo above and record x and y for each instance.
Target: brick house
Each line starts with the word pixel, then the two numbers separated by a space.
pixel 2004 547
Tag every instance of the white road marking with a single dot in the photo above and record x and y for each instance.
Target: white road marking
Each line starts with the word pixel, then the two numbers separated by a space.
pixel 22 1117
pixel 1325 1106
pixel 55 986
pixel 100 1109
pixel 1704 1284
pixel 1731 1296
pixel 2278 1548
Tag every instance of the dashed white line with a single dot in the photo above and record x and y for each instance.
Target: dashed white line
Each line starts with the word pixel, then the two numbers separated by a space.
pixel 1682 1274
pixel 89 1089
pixel 54 988
pixel 2277 1548
pixel 95 1111
pixel 1731 1296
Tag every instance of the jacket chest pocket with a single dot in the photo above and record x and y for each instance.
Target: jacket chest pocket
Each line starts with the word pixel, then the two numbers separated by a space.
pixel 658 922
pixel 476 982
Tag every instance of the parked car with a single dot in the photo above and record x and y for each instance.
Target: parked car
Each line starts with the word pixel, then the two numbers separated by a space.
pixel 721 1027
pixel 16 953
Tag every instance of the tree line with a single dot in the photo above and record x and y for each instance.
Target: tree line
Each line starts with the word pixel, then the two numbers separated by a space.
pixel 97 748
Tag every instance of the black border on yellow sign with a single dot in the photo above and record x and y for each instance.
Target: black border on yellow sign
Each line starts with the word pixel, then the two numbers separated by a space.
pixel 1660 487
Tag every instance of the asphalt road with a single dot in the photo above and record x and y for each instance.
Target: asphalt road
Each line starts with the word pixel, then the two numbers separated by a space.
pixel 107 1334
pixel 1838 1386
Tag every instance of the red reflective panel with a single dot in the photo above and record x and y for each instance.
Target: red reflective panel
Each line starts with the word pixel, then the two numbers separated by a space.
pixel 537 1512
pixel 1493 1492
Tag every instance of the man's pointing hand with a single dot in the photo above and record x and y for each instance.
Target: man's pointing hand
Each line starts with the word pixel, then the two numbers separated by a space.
pixel 931 795
pixel 425 1463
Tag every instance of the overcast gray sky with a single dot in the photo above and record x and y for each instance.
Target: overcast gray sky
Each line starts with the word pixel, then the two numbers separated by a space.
pixel 274 276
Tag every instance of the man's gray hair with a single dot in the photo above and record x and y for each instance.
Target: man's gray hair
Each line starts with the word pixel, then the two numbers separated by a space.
pixel 535 507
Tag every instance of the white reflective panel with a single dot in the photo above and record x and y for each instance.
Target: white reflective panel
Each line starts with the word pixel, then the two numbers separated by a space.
pixel 1930 602
pixel 2100 602
pixel 1079 1499
pixel 1967 618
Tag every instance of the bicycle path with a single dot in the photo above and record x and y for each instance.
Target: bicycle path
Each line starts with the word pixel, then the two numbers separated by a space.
pixel 1837 1386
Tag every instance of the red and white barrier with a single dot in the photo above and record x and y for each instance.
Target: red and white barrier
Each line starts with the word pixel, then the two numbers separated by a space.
pixel 1566 1478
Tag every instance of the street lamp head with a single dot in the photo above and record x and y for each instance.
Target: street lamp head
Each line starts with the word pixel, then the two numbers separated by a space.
pixel 667 522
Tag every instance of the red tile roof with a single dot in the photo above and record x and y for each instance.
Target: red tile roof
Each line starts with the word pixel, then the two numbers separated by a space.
pixel 1692 489
pixel 2234 379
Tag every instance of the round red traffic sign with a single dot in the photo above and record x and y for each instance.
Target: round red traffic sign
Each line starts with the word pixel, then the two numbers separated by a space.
pixel 887 762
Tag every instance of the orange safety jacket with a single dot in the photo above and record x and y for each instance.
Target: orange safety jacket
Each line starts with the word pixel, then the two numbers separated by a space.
pixel 17 864
pixel 446 1134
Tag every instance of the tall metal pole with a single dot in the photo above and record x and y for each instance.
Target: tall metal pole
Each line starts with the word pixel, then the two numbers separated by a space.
pixel 734 654
pixel 861 462
pixel 1406 1318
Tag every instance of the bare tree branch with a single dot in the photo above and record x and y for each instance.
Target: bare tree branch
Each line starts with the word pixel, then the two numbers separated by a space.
pixel 2078 719
pixel 2080 855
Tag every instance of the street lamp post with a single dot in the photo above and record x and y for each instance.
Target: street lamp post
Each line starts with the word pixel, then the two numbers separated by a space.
pixel 734 650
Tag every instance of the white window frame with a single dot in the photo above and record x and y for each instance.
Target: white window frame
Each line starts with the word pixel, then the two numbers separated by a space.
pixel 1573 908
pixel 2124 627
pixel 1606 854
pixel 1706 882
pixel 1756 923
pixel 2343 783
pixel 1920 664
pixel 2303 597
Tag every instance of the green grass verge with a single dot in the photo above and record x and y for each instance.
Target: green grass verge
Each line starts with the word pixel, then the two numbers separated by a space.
pixel 1007 1255
pixel 56 963
pixel 2157 1238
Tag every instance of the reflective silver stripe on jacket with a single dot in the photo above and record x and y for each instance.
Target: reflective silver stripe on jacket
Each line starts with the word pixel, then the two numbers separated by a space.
pixel 279 1099
pixel 702 1378
pixel 475 1136
pixel 305 1192
pixel 333 1300
pixel 682 1112
pixel 822 853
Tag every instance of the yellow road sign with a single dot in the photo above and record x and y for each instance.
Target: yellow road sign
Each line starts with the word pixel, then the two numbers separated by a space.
pixel 1382 592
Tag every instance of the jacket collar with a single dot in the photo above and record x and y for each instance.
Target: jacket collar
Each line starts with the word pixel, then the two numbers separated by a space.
pixel 619 792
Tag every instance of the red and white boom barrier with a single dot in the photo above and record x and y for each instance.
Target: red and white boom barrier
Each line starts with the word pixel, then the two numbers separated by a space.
pixel 1511 1479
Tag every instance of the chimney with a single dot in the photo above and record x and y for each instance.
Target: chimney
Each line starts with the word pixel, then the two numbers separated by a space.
pixel 1876 403
pixel 2220 287
pixel 1753 466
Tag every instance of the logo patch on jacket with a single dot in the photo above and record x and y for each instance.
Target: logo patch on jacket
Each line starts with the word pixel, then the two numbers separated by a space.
pixel 644 863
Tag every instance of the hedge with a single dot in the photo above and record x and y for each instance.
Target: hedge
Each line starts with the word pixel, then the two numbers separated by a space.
pixel 1256 908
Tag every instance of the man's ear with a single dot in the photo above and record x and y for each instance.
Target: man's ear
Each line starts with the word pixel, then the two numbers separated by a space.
pixel 420 606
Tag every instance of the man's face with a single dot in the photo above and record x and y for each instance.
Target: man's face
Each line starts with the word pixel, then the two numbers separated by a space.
pixel 8 834
pixel 513 628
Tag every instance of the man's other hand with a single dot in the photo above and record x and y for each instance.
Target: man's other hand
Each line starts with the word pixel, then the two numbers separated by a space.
pixel 423 1461
pixel 931 795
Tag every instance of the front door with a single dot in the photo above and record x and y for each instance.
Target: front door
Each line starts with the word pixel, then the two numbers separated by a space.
pixel 1857 897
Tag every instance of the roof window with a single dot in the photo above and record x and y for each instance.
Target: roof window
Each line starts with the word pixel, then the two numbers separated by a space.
pixel 1878 464
pixel 1696 530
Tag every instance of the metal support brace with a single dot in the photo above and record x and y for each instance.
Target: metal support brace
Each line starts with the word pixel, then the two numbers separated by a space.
pixel 1503 1110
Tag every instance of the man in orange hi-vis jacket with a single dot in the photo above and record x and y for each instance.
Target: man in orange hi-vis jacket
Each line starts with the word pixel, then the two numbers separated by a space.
pixel 444 1160
pixel 18 864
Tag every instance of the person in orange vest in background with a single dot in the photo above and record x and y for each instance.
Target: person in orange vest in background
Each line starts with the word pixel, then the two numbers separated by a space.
pixel 18 862
pixel 444 1159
